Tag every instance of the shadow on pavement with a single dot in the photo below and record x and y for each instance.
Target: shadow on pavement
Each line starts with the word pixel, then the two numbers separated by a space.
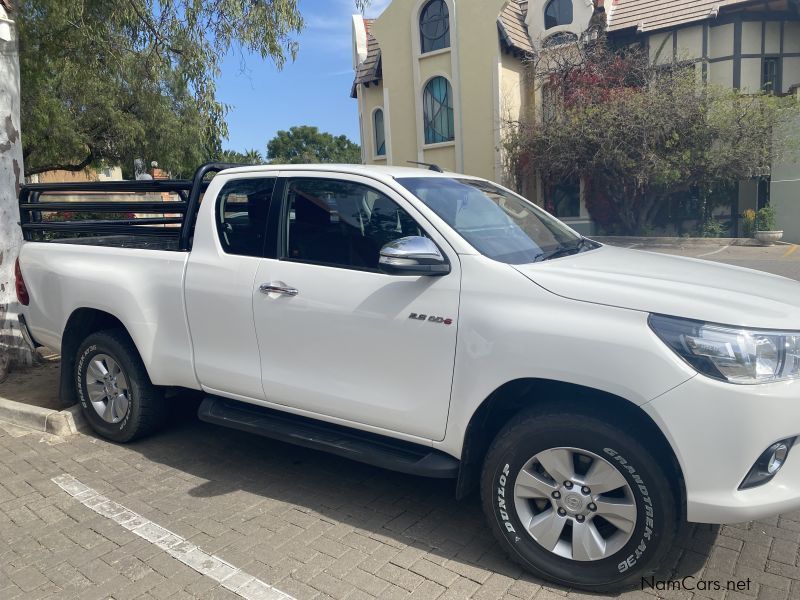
pixel 415 511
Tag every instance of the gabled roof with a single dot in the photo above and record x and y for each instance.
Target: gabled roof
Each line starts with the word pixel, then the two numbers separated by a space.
pixel 643 15
pixel 651 15
pixel 513 29
pixel 369 71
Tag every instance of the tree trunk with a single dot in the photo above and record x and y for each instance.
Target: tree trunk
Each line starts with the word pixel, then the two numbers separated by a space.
pixel 14 351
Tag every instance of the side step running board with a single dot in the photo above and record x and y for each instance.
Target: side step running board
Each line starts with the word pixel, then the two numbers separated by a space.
pixel 362 446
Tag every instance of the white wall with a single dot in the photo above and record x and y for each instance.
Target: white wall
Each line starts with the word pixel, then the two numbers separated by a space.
pixel 785 194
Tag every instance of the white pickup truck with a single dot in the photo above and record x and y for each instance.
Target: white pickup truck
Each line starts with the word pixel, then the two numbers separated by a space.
pixel 439 325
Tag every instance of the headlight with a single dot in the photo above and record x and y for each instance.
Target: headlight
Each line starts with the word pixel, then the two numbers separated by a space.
pixel 737 355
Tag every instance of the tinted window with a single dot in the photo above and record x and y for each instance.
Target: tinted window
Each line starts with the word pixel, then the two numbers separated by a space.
pixel 242 211
pixel 342 224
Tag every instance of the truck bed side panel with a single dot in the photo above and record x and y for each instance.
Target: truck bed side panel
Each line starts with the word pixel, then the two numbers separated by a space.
pixel 142 288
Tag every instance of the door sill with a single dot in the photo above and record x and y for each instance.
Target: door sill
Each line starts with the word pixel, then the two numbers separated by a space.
pixel 362 446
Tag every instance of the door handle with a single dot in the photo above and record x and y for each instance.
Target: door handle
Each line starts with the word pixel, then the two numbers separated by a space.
pixel 271 288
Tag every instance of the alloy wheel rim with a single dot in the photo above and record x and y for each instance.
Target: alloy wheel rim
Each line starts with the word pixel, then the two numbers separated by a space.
pixel 575 504
pixel 108 388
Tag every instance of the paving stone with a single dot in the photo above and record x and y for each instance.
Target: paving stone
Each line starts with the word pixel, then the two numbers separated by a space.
pixel 333 529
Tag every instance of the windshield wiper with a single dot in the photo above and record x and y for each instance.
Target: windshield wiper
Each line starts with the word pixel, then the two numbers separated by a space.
pixel 563 250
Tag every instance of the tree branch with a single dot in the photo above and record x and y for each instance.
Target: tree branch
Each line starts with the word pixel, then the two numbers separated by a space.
pixel 63 166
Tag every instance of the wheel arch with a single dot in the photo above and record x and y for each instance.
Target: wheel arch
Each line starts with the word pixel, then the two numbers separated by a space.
pixel 80 324
pixel 550 395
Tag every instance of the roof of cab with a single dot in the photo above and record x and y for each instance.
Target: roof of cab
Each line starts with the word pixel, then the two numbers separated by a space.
pixel 374 171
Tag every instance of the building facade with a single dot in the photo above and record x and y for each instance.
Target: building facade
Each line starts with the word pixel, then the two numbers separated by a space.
pixel 435 80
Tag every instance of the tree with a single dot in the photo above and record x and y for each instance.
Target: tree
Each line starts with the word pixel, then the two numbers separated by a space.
pixel 112 80
pixel 248 157
pixel 13 348
pixel 306 144
pixel 636 132
pixel 107 81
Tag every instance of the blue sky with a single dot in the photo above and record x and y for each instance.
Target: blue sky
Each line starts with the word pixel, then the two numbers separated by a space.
pixel 312 90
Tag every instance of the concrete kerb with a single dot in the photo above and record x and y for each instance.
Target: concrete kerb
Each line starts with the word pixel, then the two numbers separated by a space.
pixel 57 422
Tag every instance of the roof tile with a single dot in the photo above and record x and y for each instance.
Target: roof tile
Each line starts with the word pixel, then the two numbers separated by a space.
pixel 660 14
pixel 513 29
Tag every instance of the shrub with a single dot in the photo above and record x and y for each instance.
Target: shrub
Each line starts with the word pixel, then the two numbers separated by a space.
pixel 765 219
pixel 713 229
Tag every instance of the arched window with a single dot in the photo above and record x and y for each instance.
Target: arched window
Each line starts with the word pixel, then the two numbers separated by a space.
pixel 434 26
pixel 559 39
pixel 557 12
pixel 437 106
pixel 380 132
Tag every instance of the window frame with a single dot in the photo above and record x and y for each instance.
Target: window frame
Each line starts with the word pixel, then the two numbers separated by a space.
pixel 421 35
pixel 451 107
pixel 267 250
pixel 282 218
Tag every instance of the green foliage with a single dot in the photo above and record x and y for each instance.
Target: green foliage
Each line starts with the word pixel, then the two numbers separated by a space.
pixel 306 144
pixel 641 133
pixel 248 157
pixel 712 228
pixel 765 219
pixel 107 81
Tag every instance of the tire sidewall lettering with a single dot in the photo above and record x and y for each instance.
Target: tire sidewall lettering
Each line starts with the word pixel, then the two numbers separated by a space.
pixel 501 500
pixel 648 532
pixel 89 351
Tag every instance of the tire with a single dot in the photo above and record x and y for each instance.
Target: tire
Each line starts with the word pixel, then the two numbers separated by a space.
pixel 136 408
pixel 516 487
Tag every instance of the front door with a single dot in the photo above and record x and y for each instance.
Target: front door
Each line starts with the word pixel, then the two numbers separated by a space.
pixel 337 337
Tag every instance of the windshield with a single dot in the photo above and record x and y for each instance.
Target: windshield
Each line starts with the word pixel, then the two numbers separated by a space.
pixel 497 223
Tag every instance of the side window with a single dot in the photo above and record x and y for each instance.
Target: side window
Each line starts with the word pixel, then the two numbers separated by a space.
pixel 342 224
pixel 242 209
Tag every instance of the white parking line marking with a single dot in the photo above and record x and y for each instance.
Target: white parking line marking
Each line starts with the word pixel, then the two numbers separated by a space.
pixel 714 252
pixel 230 577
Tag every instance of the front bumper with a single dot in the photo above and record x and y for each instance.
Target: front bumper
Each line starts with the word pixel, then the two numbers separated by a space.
pixel 717 431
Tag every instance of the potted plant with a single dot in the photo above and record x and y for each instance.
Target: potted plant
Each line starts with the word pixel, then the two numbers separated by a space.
pixel 766 231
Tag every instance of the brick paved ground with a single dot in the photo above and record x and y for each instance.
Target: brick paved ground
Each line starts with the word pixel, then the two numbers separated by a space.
pixel 313 525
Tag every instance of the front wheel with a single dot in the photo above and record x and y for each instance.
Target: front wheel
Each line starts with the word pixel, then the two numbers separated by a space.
pixel 578 501
pixel 117 397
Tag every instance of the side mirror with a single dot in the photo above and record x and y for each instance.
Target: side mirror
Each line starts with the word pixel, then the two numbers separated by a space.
pixel 414 255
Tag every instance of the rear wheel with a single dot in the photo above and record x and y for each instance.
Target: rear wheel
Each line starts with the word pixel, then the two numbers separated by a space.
pixel 578 501
pixel 116 395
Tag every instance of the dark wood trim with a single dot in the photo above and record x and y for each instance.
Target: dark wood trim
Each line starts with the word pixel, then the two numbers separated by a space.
pixel 705 52
pixel 755 16
pixel 732 57
pixel 783 36
pixel 737 55
pixel 780 60
pixel 675 45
